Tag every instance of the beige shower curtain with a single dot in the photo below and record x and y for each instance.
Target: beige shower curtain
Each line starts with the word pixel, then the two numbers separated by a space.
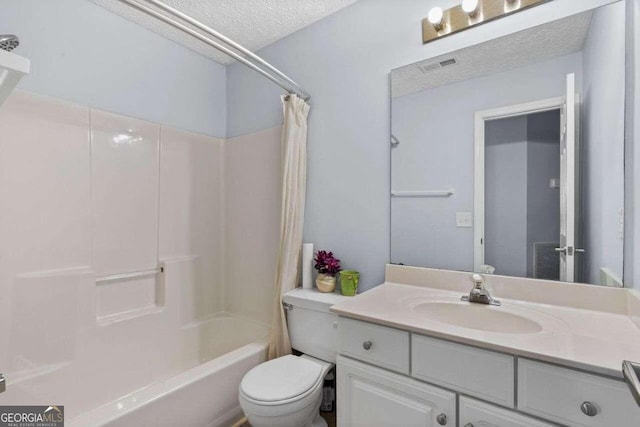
pixel 294 182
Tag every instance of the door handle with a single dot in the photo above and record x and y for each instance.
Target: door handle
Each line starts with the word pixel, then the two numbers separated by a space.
pixel 3 384
pixel 569 250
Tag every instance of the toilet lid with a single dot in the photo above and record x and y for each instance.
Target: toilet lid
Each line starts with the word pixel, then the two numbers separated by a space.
pixel 280 379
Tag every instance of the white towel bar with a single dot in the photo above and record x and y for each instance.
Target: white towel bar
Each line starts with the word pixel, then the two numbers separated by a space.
pixel 436 193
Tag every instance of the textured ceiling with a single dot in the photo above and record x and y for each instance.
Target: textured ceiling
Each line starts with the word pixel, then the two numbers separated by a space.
pixel 252 23
pixel 537 44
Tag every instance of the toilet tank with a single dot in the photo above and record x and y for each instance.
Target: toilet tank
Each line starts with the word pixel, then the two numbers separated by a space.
pixel 313 329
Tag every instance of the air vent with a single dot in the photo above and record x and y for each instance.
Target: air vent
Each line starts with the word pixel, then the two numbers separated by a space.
pixel 447 62
pixel 437 65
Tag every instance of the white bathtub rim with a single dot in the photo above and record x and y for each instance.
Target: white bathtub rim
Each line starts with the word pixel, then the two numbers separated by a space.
pixel 149 394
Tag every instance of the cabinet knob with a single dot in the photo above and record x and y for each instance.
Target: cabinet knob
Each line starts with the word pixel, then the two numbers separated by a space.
pixel 367 345
pixel 589 409
pixel 442 419
pixel 468 425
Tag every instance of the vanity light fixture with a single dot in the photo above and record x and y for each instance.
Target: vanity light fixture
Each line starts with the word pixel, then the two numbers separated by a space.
pixel 441 23
pixel 436 18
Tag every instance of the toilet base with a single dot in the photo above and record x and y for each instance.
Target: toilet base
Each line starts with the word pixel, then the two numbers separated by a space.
pixel 318 421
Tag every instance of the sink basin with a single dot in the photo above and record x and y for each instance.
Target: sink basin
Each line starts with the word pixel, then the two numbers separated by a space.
pixel 477 316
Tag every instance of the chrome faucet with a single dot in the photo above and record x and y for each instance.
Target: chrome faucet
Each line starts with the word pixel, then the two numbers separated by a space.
pixel 479 294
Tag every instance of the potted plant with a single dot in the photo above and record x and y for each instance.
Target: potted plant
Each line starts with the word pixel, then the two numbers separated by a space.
pixel 328 267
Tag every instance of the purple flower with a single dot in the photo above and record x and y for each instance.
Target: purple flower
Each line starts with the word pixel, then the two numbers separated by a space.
pixel 326 263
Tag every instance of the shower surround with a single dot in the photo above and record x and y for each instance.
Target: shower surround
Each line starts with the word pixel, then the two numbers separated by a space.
pixel 86 196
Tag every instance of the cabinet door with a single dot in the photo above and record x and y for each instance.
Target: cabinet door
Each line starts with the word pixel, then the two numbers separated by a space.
pixel 372 397
pixel 479 414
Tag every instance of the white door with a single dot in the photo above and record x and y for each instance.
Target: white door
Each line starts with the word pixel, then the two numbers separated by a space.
pixel 568 184
pixel 373 397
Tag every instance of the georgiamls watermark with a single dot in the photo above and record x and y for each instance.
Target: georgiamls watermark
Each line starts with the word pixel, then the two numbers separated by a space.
pixel 32 416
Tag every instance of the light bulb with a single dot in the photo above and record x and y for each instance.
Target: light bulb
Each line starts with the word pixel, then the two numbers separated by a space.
pixel 470 7
pixel 435 17
pixel 511 5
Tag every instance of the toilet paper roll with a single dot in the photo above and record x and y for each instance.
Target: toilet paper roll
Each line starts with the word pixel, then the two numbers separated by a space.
pixel 307 265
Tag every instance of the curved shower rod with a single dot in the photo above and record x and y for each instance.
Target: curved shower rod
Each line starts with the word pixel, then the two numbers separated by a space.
pixel 279 78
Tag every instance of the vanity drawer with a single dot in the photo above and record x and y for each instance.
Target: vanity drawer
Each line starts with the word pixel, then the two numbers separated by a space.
pixel 379 345
pixel 479 414
pixel 479 373
pixel 557 394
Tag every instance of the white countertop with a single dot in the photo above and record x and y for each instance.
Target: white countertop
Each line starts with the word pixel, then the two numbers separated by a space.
pixel 596 341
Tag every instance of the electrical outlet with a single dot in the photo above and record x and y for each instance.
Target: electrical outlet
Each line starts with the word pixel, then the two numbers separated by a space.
pixel 464 219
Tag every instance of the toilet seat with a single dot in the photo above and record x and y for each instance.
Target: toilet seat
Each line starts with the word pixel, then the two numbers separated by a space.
pixel 282 381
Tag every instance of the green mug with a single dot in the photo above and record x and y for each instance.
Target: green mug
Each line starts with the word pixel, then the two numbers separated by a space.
pixel 349 282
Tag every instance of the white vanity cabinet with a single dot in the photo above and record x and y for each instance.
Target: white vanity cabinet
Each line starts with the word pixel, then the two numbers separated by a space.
pixel 391 377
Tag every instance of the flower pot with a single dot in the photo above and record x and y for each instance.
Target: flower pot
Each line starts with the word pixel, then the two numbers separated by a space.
pixel 326 283
pixel 349 280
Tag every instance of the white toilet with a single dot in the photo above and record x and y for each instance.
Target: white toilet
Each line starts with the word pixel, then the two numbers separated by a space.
pixel 287 391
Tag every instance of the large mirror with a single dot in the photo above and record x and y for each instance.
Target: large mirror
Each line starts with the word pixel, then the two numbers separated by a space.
pixel 507 157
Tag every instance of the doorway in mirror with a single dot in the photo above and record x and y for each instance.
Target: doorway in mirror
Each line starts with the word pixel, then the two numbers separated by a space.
pixel 522 196
pixel 527 191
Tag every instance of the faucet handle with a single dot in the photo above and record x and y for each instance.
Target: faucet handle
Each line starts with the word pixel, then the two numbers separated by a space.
pixel 478 280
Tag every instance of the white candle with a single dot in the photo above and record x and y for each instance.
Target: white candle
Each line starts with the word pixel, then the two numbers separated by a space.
pixel 307 265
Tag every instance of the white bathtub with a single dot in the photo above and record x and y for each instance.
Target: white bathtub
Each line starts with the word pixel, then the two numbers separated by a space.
pixel 186 376
pixel 159 365
pixel 202 393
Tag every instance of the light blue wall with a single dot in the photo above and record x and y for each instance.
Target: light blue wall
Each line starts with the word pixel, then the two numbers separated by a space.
pixel 344 61
pixel 632 154
pixel 85 54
